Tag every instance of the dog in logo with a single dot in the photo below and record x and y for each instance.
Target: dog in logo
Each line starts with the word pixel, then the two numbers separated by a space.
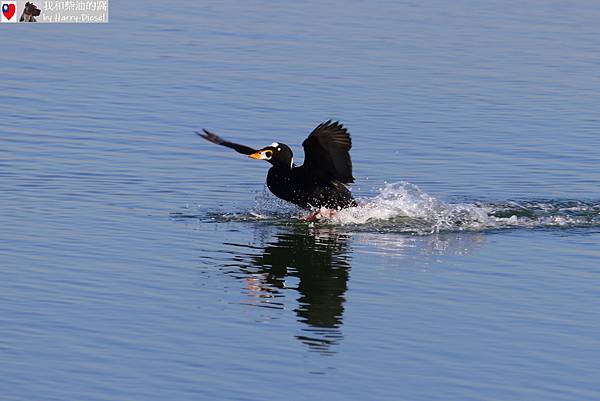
pixel 29 13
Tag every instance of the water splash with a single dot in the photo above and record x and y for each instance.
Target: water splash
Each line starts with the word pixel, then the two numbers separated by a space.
pixel 404 207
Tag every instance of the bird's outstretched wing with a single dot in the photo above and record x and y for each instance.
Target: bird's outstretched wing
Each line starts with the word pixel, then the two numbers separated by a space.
pixel 326 153
pixel 209 136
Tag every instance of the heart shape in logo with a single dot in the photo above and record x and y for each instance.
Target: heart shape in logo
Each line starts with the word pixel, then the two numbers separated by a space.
pixel 8 10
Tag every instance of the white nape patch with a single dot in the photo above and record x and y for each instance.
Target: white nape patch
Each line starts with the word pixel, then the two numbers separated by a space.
pixel 292 163
pixel 274 145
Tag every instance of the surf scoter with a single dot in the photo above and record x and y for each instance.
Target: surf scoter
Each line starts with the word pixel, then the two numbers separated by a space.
pixel 319 182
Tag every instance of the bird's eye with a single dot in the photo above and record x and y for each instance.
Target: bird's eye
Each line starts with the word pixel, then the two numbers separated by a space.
pixel 268 153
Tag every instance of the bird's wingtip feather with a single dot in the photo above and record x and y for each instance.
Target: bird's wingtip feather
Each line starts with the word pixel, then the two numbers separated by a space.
pixel 209 136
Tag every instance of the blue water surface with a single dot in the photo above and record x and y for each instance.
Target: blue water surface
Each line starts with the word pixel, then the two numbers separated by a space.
pixel 139 262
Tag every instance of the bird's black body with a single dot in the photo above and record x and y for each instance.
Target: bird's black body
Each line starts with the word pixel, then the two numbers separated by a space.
pixel 319 182
pixel 297 186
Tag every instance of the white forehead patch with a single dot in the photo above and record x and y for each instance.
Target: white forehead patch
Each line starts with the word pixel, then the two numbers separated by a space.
pixel 274 145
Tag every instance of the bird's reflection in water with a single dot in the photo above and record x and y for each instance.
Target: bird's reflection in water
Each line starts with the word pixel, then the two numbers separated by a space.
pixel 313 261
pixel 314 264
